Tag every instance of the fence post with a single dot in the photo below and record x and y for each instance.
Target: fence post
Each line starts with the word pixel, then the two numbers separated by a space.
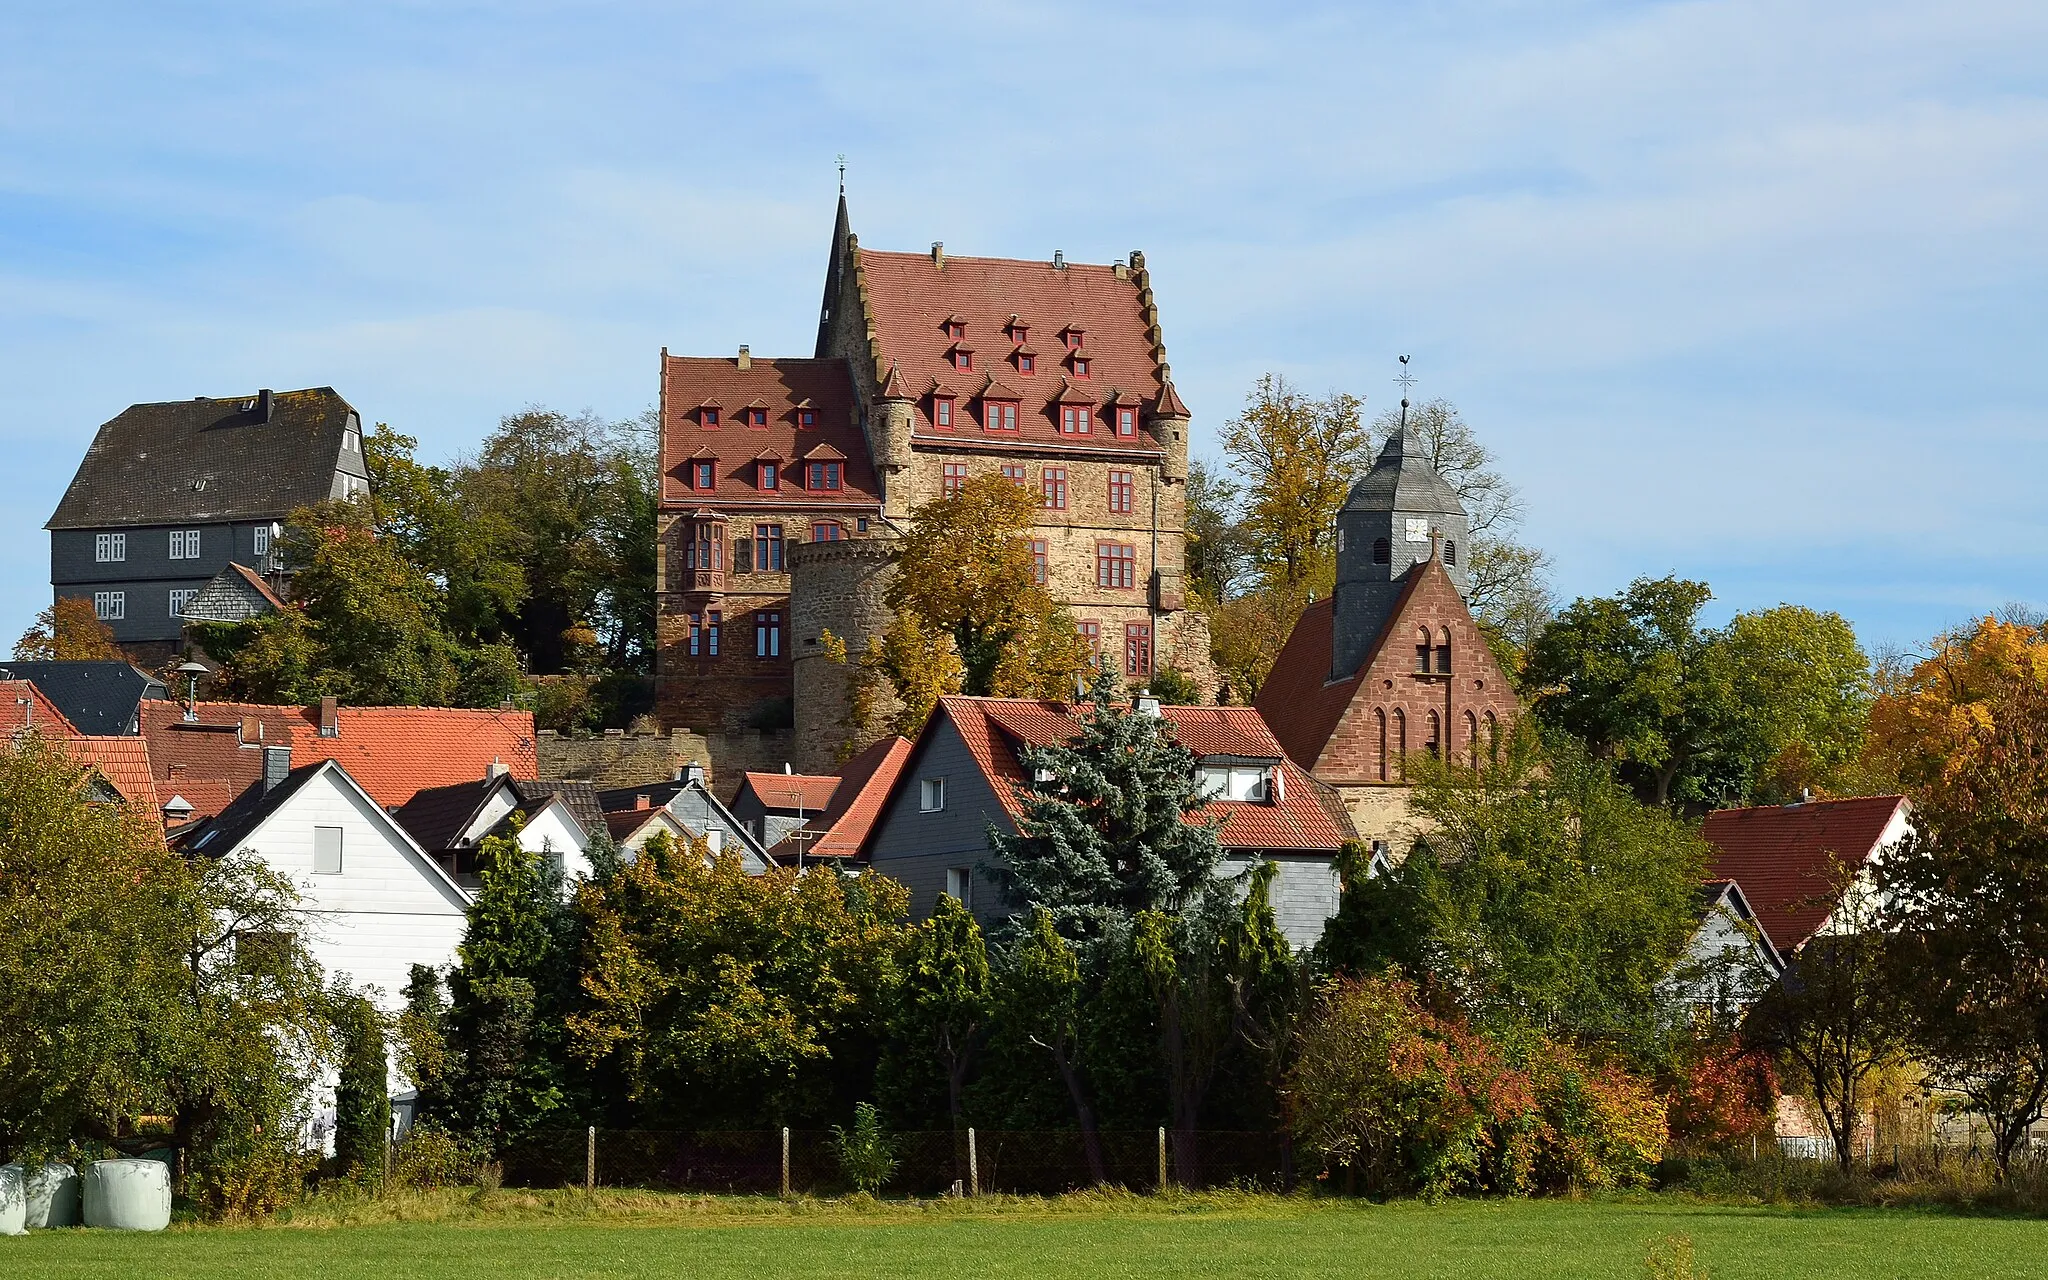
pixel 785 1162
pixel 973 1166
pixel 590 1159
pixel 1162 1159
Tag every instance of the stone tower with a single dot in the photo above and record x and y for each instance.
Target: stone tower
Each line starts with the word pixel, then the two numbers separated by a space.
pixel 1401 512
pixel 842 587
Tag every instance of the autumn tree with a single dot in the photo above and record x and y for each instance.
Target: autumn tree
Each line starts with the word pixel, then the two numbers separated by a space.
pixel 1931 717
pixel 1505 577
pixel 68 631
pixel 1218 553
pixel 1297 458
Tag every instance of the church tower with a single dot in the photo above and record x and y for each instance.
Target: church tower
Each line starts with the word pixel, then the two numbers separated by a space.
pixel 1400 513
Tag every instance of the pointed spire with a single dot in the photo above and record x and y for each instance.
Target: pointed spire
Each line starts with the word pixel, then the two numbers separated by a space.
pixel 892 386
pixel 835 267
pixel 1169 404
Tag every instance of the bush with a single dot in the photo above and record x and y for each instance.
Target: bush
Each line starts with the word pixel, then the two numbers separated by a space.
pixel 866 1155
pixel 1175 688
pixel 1600 1126
pixel 249 1174
pixel 429 1156
pixel 362 1099
pixel 1721 1095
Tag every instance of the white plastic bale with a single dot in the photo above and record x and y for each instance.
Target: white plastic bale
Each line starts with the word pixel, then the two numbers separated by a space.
pixel 53 1197
pixel 13 1201
pixel 128 1195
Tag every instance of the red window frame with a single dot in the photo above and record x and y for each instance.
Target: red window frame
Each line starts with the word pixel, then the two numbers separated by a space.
pixel 704 476
pixel 1015 473
pixel 963 359
pixel 827 531
pixel 1027 362
pixel 999 415
pixel 1091 631
pixel 768 475
pixel 1052 485
pixel 711 627
pixel 1137 648
pixel 1073 338
pixel 942 412
pixel 757 417
pixel 1081 367
pixel 951 476
pixel 955 329
pixel 1120 491
pixel 1077 419
pixel 768 548
pixel 707 418
pixel 806 419
pixel 1041 556
pixel 696 635
pixel 1116 566
pixel 822 477
pixel 1126 421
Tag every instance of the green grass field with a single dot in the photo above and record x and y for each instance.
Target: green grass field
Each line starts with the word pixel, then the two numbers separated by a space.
pixel 522 1236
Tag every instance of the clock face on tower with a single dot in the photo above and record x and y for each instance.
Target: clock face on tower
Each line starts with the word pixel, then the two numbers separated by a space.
pixel 1418 529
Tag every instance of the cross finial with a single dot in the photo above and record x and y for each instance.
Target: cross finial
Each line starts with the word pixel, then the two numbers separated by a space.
pixel 1404 380
pixel 842 174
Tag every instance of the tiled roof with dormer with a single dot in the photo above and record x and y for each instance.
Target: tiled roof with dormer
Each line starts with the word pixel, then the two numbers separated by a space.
pixel 912 296
pixel 785 387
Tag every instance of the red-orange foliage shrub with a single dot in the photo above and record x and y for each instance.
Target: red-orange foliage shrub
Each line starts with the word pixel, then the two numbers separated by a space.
pixel 1721 1094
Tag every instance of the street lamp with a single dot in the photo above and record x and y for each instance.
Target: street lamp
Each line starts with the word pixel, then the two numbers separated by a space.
pixel 192 671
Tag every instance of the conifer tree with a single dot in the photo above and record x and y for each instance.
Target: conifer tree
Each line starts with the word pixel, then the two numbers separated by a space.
pixel 362 1098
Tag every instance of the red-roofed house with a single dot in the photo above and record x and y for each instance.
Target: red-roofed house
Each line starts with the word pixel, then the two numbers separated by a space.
pixel 771 805
pixel 23 708
pixel 859 791
pixel 963 775
pixel 122 763
pixel 1392 664
pixel 1785 856
pixel 929 369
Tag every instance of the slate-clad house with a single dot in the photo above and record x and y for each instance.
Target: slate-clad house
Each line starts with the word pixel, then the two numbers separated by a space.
pixel 964 773
pixel 98 698
pixel 170 494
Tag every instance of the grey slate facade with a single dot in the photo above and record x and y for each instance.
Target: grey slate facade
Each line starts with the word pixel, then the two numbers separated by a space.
pixel 1395 516
pixel 169 494
pixel 916 849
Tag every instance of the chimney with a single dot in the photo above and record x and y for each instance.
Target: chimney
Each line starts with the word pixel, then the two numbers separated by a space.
pixel 1147 705
pixel 495 769
pixel 1059 260
pixel 250 731
pixel 746 357
pixel 1119 270
pixel 643 801
pixel 786 770
pixel 265 403
pixel 330 717
pixel 938 253
pixel 277 762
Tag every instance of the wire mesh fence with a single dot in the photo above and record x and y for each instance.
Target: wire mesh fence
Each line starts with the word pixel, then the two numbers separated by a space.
pixel 805 1161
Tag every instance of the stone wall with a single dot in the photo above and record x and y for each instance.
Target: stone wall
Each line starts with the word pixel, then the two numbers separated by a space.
pixel 616 759
pixel 837 586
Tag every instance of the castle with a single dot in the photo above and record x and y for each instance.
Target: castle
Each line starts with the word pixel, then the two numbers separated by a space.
pixel 785 481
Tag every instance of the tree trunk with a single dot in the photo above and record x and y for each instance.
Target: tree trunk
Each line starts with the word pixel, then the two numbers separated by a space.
pixel 1084 1117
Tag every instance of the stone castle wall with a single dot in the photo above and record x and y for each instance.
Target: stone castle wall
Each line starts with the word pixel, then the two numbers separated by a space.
pixel 617 759
pixel 837 586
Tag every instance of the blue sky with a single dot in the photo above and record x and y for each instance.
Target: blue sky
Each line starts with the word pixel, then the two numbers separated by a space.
pixel 1750 292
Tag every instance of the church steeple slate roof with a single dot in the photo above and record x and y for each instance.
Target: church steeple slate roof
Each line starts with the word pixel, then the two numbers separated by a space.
pixel 1402 479
pixel 835 267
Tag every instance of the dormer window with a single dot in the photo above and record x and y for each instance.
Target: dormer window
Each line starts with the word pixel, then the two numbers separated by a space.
pixel 999 415
pixel 1019 331
pixel 1072 337
pixel 1126 420
pixel 1076 419
pixel 707 416
pixel 824 476
pixel 1081 364
pixel 1027 362
pixel 757 417
pixel 769 475
pixel 704 476
pixel 806 419
pixel 955 327
pixel 1234 781
pixel 942 412
pixel 963 357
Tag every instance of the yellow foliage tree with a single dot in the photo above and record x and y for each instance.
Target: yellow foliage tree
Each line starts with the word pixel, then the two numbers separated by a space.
pixel 1929 724
pixel 68 631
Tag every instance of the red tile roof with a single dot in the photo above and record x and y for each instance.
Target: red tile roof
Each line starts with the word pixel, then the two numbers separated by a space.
pixel 912 297
pixel 123 761
pixel 864 786
pixel 808 791
pixel 1780 855
pixel 395 752
pixel 779 384
pixel 1307 815
pixel 622 823
pixel 255 580
pixel 23 706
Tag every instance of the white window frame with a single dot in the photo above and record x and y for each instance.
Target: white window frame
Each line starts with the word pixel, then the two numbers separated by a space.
pixel 184 544
pixel 338 860
pixel 960 885
pixel 1245 783
pixel 109 548
pixel 110 606
pixel 931 795
pixel 180 598
pixel 260 539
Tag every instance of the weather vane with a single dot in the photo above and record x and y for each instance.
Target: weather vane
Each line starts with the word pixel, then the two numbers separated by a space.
pixel 1405 380
pixel 842 178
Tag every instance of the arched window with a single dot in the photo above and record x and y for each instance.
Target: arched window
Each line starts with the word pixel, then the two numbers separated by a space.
pixel 1401 743
pixel 1422 650
pixel 1379 717
pixel 1434 743
pixel 1493 737
pixel 1450 551
pixel 1443 650
pixel 1472 737
pixel 1381 552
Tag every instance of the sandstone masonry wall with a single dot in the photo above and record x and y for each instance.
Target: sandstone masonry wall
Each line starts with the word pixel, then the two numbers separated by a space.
pixel 616 759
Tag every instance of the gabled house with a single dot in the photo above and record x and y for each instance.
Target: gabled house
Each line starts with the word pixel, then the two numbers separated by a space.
pixel 1784 857
pixel 557 820
pixel 169 494
pixel 236 594
pixel 964 775
pixel 772 805
pixel 861 789
pixel 631 829
pixel 25 709
pixel 376 903
pixel 120 767
pixel 98 698
pixel 1730 961
pixel 687 798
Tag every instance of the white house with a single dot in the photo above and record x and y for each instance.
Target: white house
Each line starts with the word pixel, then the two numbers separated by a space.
pixel 688 800
pixel 452 821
